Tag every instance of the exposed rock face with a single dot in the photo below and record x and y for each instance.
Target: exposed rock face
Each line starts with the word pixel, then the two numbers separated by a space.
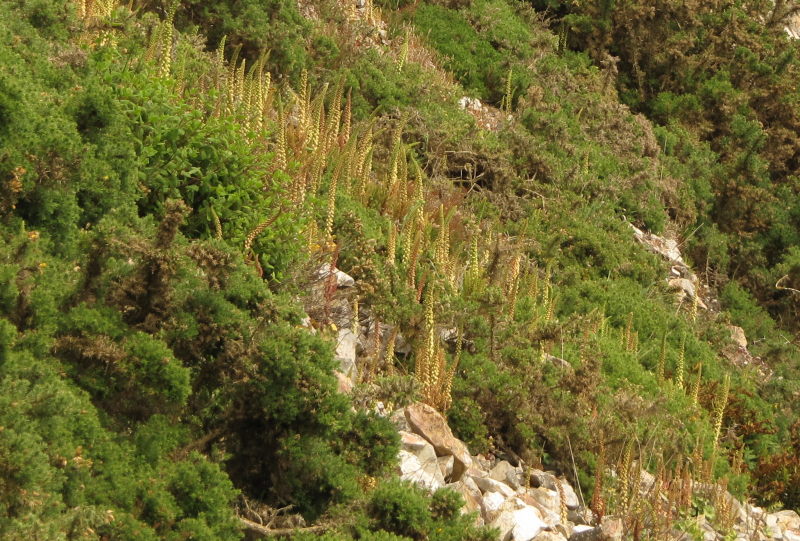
pixel 783 525
pixel 570 497
pixel 517 521
pixel 667 248
pixel 687 289
pixel 491 505
pixel 429 423
pixel 550 536
pixel 346 353
pixel 418 462
pixel 342 278
pixel 472 498
pixel 486 117
pixel 737 335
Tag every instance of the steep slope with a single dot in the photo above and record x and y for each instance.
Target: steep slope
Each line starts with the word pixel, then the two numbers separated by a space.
pixel 178 181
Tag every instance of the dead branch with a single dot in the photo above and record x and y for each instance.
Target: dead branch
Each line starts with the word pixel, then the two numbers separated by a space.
pixel 259 530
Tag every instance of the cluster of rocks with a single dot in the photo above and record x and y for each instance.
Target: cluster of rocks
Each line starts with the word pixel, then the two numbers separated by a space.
pixel 522 503
pixel 681 277
pixel 486 116
pixel 686 283
pixel 783 526
pixel 526 504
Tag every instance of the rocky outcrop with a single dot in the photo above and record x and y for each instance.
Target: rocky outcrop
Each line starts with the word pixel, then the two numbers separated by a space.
pixel 526 504
pixel 429 423
pixel 486 117
pixel 522 504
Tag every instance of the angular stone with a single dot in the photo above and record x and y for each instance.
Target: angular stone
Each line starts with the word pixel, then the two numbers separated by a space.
pixel 504 523
pixel 546 498
pixel 646 481
pixel 342 278
pixel 548 506
pixel 570 497
pixel 472 499
pixel 667 248
pixel 417 445
pixel 482 462
pixel 346 353
pixel 787 519
pixel 487 484
pixel 429 423
pixel 421 474
pixel 580 516
pixel 687 288
pixel 398 419
pixel 528 524
pixel 610 529
pixel 737 335
pixel 539 478
pixel 491 503
pixel 506 473
pixel 791 534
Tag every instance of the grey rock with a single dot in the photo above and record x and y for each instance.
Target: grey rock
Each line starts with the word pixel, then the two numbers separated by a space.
pixel 610 529
pixel 528 524
pixel 491 504
pixel 550 536
pixel 346 353
pixel 487 484
pixel 570 497
pixel 342 278
pixel 738 336
pixel 472 499
pixel 786 519
pixel 398 419
pixel 506 473
pixel 425 475
pixel 580 517
pixel 539 478
pixel 792 534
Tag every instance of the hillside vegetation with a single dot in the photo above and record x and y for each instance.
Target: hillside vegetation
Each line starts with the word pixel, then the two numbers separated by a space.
pixel 174 175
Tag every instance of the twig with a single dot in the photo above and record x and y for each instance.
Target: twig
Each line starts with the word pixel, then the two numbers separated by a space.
pixel 254 527
pixel 779 286
pixel 575 471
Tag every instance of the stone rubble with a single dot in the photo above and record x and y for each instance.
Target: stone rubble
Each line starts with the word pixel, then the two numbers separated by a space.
pixel 525 504
pixel 486 117
pixel 686 284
